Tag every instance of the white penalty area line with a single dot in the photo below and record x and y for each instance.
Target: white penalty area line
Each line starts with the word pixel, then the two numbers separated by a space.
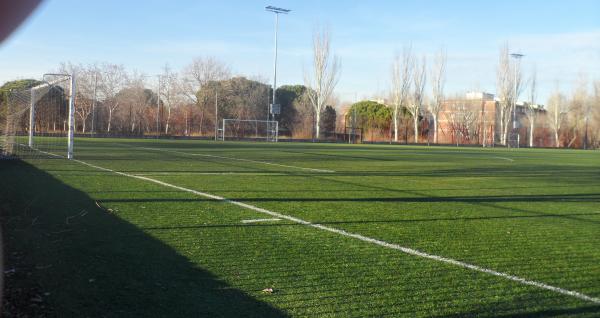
pixel 363 238
pixel 238 159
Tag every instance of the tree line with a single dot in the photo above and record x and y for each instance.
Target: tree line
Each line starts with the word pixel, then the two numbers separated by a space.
pixel 191 101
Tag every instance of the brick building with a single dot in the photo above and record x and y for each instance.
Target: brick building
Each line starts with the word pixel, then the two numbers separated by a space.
pixel 475 119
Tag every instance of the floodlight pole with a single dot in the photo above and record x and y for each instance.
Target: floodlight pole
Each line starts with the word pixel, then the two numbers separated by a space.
pixel 277 11
pixel 274 66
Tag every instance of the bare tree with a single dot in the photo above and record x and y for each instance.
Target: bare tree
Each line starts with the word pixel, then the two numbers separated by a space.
pixel 113 79
pixel 85 89
pixel 414 107
pixel 438 78
pixel 581 106
pixel 132 99
pixel 172 93
pixel 532 107
pixel 509 85
pixel 557 111
pixel 198 74
pixel 325 74
pixel 462 119
pixel 201 71
pixel 402 69
pixel 595 115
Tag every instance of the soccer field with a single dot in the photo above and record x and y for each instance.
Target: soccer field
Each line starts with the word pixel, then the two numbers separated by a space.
pixel 160 228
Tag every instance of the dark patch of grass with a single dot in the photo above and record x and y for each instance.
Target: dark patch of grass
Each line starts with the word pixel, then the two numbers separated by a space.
pixel 68 257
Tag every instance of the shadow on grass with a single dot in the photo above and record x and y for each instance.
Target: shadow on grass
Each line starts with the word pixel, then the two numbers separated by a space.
pixel 66 257
pixel 588 311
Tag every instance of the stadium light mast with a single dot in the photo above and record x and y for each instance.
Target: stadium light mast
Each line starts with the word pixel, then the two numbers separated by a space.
pixel 517 57
pixel 277 11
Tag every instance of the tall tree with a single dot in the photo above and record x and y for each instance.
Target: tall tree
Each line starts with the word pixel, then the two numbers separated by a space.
pixel 532 107
pixel 581 108
pixel 369 116
pixel 328 119
pixel 324 74
pixel 172 93
pixel 296 111
pixel 113 79
pixel 595 115
pixel 557 110
pixel 402 69
pixel 133 99
pixel 438 79
pixel 508 85
pixel 198 74
pixel 86 83
pixel 416 104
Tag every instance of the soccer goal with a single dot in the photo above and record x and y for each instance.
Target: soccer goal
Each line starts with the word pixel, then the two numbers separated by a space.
pixel 249 129
pixel 513 140
pixel 39 121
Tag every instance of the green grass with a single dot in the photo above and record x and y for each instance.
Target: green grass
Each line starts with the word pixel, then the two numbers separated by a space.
pixel 153 251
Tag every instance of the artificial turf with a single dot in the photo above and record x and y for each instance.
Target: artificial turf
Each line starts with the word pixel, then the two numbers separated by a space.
pixel 88 242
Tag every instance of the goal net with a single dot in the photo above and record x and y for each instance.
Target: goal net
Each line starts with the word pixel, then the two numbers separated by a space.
pixel 39 120
pixel 249 129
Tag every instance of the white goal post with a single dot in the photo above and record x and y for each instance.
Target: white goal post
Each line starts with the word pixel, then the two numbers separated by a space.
pixel 71 118
pixel 50 126
pixel 249 129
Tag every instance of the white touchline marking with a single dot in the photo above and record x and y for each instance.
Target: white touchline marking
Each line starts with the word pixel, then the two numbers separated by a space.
pixel 504 158
pixel 260 220
pixel 363 238
pixel 238 159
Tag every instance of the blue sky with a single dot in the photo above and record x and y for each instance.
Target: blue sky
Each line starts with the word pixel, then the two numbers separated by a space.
pixel 562 38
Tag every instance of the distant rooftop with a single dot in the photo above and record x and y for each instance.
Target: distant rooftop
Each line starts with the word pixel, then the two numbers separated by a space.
pixel 479 96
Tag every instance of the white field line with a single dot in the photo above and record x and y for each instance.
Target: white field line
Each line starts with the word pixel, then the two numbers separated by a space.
pixel 403 249
pixel 238 159
pixel 504 158
pixel 261 220
pixel 175 173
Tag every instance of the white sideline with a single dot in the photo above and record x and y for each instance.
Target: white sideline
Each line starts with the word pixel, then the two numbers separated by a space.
pixel 238 159
pixel 403 249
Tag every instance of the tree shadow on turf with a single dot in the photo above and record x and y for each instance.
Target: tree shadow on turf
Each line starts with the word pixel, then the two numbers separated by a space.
pixel 78 260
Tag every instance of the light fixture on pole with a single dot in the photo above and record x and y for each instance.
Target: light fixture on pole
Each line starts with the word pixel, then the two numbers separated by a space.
pixel 273 108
